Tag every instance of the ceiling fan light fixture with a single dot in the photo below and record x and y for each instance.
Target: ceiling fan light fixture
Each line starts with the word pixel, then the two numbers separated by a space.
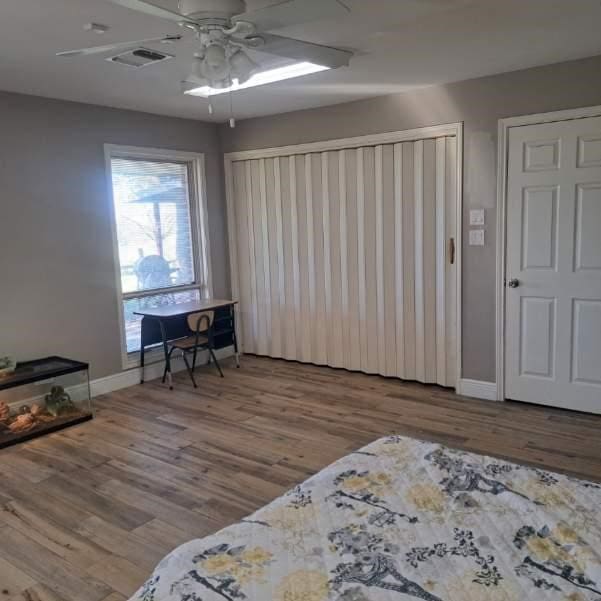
pixel 213 68
pixel 224 31
pixel 196 73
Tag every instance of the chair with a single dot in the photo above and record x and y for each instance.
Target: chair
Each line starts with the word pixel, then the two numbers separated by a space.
pixel 200 338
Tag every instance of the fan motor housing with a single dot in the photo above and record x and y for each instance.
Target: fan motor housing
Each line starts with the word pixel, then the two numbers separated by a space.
pixel 207 9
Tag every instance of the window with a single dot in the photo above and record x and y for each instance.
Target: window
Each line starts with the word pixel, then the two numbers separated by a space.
pixel 160 238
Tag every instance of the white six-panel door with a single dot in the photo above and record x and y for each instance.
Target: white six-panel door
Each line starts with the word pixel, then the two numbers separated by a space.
pixel 553 316
pixel 342 257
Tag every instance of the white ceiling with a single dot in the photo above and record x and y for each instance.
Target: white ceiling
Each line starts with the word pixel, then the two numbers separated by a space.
pixel 400 44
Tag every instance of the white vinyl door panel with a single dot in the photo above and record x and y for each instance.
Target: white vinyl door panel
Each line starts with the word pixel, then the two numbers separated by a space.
pixel 400 368
pixel 387 273
pixel 343 257
pixel 320 208
pixel 553 316
pixel 291 268
pixel 333 249
pixel 351 234
pixel 370 303
pixel 274 220
pixel 450 276
pixel 408 241
pixel 429 250
pixel 246 263
pixel 304 212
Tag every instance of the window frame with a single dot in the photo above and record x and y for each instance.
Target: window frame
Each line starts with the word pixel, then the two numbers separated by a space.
pixel 198 226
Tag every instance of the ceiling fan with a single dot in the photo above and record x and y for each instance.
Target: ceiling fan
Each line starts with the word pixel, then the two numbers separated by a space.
pixel 225 31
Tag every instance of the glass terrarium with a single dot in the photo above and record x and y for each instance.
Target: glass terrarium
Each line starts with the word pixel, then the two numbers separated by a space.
pixel 42 396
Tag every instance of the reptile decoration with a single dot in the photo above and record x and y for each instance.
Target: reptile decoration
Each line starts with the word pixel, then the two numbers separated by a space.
pixel 58 401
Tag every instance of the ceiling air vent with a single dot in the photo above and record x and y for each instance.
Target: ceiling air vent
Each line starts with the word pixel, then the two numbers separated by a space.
pixel 139 57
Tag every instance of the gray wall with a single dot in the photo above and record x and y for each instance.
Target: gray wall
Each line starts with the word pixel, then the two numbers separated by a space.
pixel 57 272
pixel 479 103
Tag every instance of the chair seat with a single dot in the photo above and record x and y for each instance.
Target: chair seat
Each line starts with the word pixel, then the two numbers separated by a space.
pixel 189 342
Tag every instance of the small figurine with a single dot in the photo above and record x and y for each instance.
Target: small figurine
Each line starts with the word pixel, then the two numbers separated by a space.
pixel 22 423
pixel 4 412
pixel 36 410
pixel 58 401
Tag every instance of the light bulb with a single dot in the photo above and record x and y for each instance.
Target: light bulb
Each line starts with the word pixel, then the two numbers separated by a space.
pixel 215 72
pixel 197 72
pixel 220 84
pixel 215 56
pixel 242 66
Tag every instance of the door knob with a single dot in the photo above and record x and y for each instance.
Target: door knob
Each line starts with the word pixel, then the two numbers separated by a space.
pixel 513 283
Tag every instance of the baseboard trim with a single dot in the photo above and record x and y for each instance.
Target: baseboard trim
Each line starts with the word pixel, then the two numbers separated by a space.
pixel 131 377
pixel 477 389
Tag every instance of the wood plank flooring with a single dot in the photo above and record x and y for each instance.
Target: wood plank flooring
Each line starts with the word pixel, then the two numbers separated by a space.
pixel 85 514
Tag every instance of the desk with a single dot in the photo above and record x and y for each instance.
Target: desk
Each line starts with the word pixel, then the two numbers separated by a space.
pixel 162 324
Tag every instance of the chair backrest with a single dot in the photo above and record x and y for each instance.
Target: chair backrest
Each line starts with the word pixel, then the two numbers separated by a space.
pixel 200 322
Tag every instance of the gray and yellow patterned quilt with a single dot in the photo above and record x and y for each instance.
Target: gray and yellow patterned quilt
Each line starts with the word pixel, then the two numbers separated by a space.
pixel 402 519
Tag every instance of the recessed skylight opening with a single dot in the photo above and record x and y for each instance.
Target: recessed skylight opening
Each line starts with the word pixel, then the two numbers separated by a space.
pixel 261 79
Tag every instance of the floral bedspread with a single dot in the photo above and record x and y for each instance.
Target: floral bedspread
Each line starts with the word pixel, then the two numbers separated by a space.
pixel 402 519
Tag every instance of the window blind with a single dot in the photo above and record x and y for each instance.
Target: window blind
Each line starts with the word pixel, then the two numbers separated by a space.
pixel 153 219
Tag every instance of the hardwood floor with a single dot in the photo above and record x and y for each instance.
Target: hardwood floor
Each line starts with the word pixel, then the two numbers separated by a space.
pixel 88 512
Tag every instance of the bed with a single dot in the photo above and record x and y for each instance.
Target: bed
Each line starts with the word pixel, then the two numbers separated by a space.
pixel 402 519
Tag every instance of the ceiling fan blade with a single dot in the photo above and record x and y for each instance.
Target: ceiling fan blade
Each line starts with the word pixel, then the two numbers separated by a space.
pixel 303 51
pixel 118 46
pixel 293 12
pixel 152 9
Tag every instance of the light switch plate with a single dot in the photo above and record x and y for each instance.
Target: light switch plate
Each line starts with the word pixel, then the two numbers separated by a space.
pixel 477 217
pixel 476 237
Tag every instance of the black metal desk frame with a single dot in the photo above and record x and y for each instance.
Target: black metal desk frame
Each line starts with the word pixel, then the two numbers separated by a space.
pixel 161 325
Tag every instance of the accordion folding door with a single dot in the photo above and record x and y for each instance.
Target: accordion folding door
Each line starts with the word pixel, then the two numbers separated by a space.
pixel 345 256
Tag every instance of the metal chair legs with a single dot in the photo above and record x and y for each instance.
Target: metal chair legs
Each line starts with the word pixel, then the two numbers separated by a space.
pixel 212 355
pixel 190 368
pixel 167 370
pixel 190 371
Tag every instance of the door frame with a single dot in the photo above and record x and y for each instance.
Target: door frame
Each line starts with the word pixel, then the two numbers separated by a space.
pixel 422 133
pixel 502 175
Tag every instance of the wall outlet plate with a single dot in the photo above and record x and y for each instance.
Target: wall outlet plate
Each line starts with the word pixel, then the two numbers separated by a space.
pixel 476 238
pixel 477 217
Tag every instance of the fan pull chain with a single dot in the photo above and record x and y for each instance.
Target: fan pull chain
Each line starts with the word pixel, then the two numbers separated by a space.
pixel 232 118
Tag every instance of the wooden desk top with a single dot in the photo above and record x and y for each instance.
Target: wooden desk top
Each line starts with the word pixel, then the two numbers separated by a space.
pixel 183 309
